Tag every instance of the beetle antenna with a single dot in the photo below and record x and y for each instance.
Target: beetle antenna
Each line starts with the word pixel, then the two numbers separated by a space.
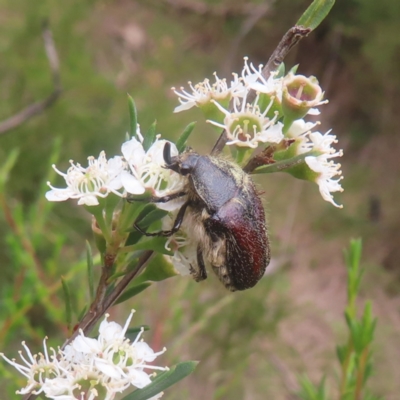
pixel 167 153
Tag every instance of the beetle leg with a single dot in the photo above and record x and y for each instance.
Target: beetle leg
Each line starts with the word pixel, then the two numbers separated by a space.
pixel 175 228
pixel 199 273
pixel 155 199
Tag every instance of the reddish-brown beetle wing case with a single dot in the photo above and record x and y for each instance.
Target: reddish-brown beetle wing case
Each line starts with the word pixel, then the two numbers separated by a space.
pixel 241 222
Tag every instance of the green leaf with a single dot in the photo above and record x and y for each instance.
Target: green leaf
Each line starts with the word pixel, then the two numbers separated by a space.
pixel 82 312
pixel 132 291
pixel 89 262
pixel 315 13
pixel 163 381
pixel 280 71
pixel 147 216
pixel 68 309
pixel 293 70
pixel 155 243
pixel 131 333
pixel 158 269
pixel 181 142
pixel 150 136
pixel 7 167
pixel 132 117
pixel 308 389
pixel 285 165
pixel 341 352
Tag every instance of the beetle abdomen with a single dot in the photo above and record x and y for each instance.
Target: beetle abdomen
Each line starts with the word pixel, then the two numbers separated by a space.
pixel 242 225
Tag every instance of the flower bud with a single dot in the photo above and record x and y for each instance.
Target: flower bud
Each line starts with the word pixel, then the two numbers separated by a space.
pixel 299 95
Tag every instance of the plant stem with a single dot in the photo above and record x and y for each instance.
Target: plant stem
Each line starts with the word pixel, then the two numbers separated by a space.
pixel 362 365
pixel 345 367
pixel 102 303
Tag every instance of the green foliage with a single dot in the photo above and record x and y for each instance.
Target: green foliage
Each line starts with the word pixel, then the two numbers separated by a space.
pixel 133 120
pixel 355 356
pixel 163 381
pixel 181 142
pixel 132 291
pixel 40 242
pixel 150 136
pixel 67 299
pixel 315 13
pixel 310 392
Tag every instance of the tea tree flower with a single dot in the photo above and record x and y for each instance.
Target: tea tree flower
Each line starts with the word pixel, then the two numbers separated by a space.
pixel 300 96
pixel 325 170
pixel 98 368
pixel 98 179
pixel 37 368
pixel 324 167
pixel 203 92
pixel 147 172
pixel 246 126
pixel 319 168
pixel 254 79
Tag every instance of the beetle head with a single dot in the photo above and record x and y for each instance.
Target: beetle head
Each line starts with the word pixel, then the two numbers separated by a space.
pixel 183 164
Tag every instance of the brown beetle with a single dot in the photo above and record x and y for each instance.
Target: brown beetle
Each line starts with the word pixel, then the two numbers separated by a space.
pixel 224 215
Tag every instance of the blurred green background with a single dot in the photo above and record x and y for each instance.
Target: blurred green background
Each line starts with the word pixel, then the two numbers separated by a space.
pixel 252 345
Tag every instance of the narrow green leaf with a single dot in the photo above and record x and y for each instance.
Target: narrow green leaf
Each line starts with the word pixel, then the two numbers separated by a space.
pixel 68 308
pixel 293 70
pixel 89 262
pixel 155 243
pixel 315 13
pixel 308 390
pixel 132 291
pixel 280 71
pixel 82 312
pixel 284 165
pixel 145 220
pixel 322 389
pixel 341 353
pixel 147 216
pixel 181 142
pixel 158 269
pixel 163 381
pixel 355 253
pixel 150 136
pixel 7 166
pixel 132 117
pixel 131 333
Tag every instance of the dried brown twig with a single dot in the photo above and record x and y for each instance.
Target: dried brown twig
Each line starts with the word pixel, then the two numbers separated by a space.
pixel 38 107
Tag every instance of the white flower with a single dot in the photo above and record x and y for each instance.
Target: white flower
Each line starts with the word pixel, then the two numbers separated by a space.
pixel 147 171
pixel 326 170
pixel 246 126
pixel 299 128
pixel 204 92
pixel 254 79
pixel 36 368
pixel 185 250
pixel 94 369
pixel 273 86
pixel 98 179
pixel 322 164
pixel 320 161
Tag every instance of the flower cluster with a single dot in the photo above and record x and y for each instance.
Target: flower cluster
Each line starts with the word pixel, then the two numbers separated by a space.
pixel 89 368
pixel 274 118
pixel 135 172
